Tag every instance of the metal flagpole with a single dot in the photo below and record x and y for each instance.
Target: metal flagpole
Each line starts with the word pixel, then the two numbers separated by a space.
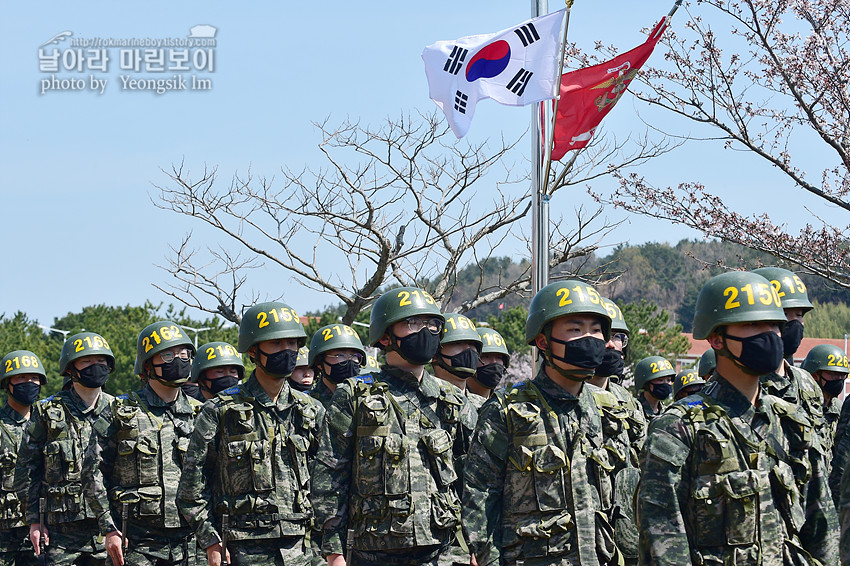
pixel 539 201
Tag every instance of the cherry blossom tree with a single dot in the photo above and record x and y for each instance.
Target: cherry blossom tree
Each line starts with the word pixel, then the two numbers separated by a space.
pixel 758 74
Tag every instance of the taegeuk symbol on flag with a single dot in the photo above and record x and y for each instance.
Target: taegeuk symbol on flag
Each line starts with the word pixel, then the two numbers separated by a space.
pixel 517 66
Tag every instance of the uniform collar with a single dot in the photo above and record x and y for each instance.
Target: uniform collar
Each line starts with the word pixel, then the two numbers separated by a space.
pixel 178 407
pixel 545 384
pixel 284 400
pixel 726 394
pixel 427 386
pixel 8 413
pixel 76 402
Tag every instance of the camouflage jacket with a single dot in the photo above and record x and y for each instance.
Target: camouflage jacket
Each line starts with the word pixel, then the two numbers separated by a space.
pixel 135 457
pixel 539 478
pixel 321 393
pixel 797 386
pixel 647 408
pixel 721 480
pixel 636 417
pixel 840 452
pixel 51 455
pixel 12 486
pixel 475 401
pixel 247 458
pixel 386 467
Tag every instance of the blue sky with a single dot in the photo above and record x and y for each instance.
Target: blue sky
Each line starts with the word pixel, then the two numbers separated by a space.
pixel 78 168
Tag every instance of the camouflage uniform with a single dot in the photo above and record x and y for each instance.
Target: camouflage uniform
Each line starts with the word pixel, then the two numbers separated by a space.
pixel 51 456
pixel 135 457
pixel 475 401
pixel 248 458
pixel 840 452
pixel 648 413
pixel 15 547
pixel 798 387
pixel 721 480
pixel 321 393
pixel 386 468
pixel 539 481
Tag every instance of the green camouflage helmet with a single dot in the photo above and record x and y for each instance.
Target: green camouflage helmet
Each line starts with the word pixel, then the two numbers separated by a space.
pixel 270 321
pixel 707 363
pixel 303 357
pixel 397 305
pixel 686 379
pixel 493 343
pixel 651 368
pixel 826 357
pixel 790 288
pixel 82 345
pixel 216 355
pixel 618 322
pixel 736 297
pixel 334 337
pixel 561 299
pixel 372 365
pixel 21 362
pixel 158 337
pixel 459 328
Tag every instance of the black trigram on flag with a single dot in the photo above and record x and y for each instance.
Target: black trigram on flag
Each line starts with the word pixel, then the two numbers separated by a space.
pixel 460 102
pixel 527 34
pixel 455 60
pixel 519 82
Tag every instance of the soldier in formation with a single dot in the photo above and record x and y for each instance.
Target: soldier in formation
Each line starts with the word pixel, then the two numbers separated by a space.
pixel 133 461
pixel 245 486
pixel 21 376
pixel 492 364
pixel 217 366
pixel 725 472
pixel 459 355
pixel 51 455
pixel 385 478
pixel 303 376
pixel 654 384
pixel 687 382
pixel 539 479
pixel 336 354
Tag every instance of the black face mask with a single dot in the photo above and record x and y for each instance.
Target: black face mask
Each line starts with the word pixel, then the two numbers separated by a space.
pixel 192 390
pixel 792 335
pixel 93 376
pixel 463 365
pixel 831 388
pixel 216 386
pixel 300 386
pixel 612 364
pixel 585 353
pixel 343 370
pixel 26 393
pixel 490 375
pixel 280 364
pixel 760 354
pixel 175 373
pixel 418 348
pixel 660 390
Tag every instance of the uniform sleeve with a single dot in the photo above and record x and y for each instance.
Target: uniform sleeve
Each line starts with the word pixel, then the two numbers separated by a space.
pixel 97 470
pixel 332 470
pixel 818 532
pixel 30 464
pixel 840 454
pixel 660 517
pixel 484 478
pixel 194 493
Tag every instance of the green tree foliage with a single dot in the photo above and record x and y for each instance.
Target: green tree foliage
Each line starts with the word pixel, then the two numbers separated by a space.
pixel 511 325
pixel 650 332
pixel 828 320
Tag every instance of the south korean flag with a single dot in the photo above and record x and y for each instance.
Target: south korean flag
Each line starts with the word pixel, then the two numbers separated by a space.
pixel 515 67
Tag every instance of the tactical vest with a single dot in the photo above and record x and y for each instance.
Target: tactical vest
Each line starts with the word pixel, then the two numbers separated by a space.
pixel 745 499
pixel 556 493
pixel 264 480
pixel 402 493
pixel 67 439
pixel 149 456
pixel 11 507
